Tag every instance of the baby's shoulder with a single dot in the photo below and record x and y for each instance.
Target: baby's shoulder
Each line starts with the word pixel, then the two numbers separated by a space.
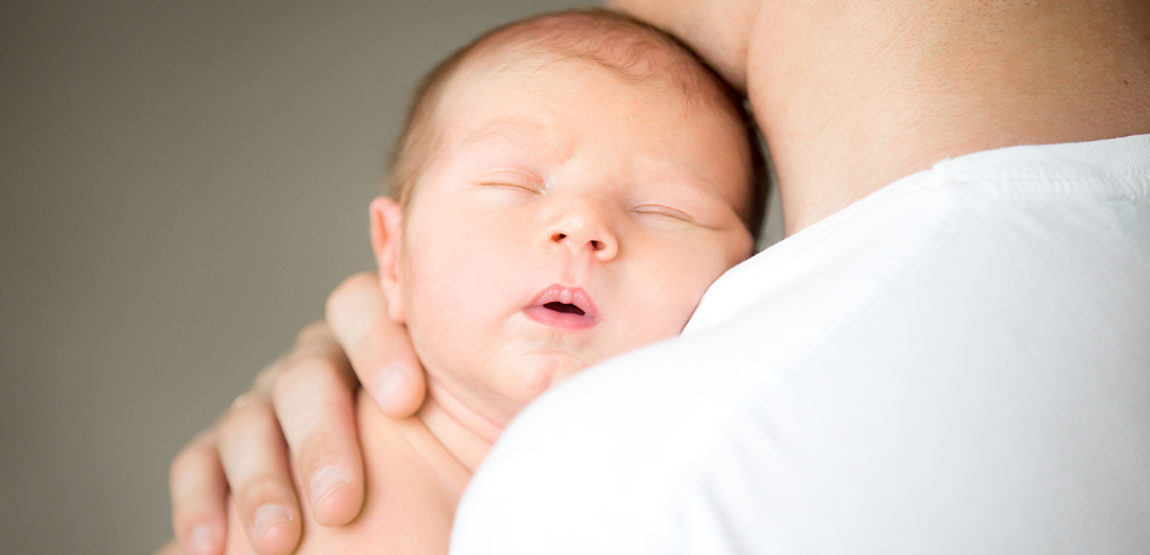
pixel 408 505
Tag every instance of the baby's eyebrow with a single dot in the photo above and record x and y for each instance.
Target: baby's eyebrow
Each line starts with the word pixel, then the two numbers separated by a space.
pixel 509 129
pixel 516 134
pixel 680 172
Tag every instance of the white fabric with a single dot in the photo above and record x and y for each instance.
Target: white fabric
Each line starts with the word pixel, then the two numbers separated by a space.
pixel 958 363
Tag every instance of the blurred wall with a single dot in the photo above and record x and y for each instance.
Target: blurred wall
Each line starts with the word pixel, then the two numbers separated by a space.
pixel 181 185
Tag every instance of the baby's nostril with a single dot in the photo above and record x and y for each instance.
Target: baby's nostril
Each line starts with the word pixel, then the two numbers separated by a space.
pixel 558 236
pixel 596 245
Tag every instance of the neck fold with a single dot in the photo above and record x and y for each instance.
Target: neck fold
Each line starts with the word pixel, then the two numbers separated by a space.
pixel 465 434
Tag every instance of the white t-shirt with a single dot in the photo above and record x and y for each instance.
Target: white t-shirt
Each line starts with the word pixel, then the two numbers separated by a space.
pixel 958 363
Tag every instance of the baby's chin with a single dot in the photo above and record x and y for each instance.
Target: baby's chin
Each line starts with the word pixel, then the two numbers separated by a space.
pixel 498 386
pixel 531 374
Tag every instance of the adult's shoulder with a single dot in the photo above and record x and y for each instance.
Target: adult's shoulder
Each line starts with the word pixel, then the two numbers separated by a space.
pixel 955 364
pixel 593 466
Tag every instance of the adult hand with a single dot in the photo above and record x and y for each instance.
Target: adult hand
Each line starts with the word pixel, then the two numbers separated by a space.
pixel 300 409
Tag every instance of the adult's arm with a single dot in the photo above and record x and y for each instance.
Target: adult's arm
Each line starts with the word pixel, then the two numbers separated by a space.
pixel 297 417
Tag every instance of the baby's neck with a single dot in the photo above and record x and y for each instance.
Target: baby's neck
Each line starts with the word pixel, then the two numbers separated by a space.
pixel 465 434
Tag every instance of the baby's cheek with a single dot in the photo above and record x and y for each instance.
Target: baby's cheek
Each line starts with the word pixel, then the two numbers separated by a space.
pixel 677 301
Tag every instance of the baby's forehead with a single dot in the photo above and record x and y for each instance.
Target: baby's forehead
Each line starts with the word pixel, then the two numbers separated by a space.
pixel 534 100
pixel 484 83
pixel 545 77
pixel 516 65
pixel 566 48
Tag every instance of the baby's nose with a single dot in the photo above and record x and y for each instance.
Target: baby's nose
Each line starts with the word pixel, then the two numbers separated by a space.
pixel 595 244
pixel 586 230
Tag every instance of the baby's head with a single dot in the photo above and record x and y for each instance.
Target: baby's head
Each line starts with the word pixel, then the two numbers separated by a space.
pixel 569 185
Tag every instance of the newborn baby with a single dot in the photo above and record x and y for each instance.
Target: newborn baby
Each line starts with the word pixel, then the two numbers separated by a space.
pixel 567 188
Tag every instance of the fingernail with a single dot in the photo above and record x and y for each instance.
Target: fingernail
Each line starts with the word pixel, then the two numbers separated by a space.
pixel 325 481
pixel 202 539
pixel 267 516
pixel 393 383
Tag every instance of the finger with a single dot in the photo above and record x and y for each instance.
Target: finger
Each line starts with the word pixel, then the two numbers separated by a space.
pixel 313 333
pixel 252 452
pixel 313 400
pixel 379 349
pixel 199 494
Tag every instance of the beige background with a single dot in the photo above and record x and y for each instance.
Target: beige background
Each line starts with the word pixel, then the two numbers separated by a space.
pixel 181 185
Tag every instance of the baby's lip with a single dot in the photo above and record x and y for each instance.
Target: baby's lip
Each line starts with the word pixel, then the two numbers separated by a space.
pixel 563 307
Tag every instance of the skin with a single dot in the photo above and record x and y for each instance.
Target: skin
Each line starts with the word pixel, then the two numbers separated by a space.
pixel 520 196
pixel 850 96
pixel 642 213
pixel 545 175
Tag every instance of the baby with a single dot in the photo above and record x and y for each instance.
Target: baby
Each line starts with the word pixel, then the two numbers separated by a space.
pixel 568 186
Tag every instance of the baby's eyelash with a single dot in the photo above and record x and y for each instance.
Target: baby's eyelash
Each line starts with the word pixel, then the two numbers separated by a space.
pixel 660 210
pixel 520 186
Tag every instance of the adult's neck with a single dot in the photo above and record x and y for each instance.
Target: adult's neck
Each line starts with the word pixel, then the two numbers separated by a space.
pixel 852 95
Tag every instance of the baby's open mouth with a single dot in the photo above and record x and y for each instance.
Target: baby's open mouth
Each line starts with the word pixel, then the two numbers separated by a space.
pixel 564 308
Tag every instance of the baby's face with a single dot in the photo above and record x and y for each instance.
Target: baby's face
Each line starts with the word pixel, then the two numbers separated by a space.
pixel 565 216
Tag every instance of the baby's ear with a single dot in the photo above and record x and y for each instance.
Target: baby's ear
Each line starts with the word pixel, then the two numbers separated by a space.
pixel 386 217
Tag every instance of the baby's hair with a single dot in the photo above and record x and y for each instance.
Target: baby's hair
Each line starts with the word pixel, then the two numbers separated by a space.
pixel 632 49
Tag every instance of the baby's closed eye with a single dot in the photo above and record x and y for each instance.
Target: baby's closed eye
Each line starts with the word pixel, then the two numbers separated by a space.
pixel 662 211
pixel 513 186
